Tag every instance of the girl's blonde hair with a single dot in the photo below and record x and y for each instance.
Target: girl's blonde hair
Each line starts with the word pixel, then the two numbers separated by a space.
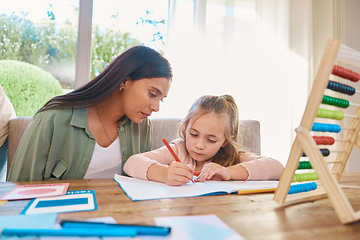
pixel 224 104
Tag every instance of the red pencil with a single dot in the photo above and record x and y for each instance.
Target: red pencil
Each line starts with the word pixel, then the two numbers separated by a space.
pixel 172 152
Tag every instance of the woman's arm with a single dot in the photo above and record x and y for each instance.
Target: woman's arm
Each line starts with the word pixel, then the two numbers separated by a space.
pixel 31 155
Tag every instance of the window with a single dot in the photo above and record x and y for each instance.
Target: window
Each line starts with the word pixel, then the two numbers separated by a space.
pixel 237 47
pixel 43 34
pixel 118 25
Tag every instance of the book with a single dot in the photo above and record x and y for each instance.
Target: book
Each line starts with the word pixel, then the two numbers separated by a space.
pixel 139 189
pixel 72 201
pixel 35 191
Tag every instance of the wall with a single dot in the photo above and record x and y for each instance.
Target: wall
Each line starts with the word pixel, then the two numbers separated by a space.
pixel 352 39
pixel 312 23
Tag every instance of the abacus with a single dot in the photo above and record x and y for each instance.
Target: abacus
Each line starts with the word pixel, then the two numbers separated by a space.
pixel 324 116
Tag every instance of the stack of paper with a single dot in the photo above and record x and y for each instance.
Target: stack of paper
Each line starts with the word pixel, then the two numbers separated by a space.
pixel 52 198
pixel 34 191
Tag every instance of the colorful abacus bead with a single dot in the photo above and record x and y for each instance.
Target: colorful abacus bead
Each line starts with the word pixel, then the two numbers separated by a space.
pixel 324 151
pixel 345 73
pixel 333 101
pixel 303 187
pixel 326 127
pixel 342 88
pixel 325 113
pixel 304 165
pixel 322 140
pixel 303 177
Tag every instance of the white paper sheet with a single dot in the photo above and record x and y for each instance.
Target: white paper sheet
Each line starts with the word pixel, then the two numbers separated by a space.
pixel 138 189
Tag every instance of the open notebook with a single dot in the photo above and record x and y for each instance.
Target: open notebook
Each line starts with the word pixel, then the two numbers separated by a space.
pixel 138 189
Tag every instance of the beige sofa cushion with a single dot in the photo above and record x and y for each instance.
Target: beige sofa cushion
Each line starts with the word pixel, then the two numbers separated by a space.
pixel 249 136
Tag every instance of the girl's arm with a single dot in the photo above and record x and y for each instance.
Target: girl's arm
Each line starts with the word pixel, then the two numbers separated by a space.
pixel 251 167
pixel 138 164
pixel 175 174
pixel 215 171
pixel 261 168
pixel 158 165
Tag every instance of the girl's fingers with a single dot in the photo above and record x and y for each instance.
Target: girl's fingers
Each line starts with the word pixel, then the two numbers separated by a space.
pixel 180 173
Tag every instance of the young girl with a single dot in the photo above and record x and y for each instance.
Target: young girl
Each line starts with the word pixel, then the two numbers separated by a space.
pixel 209 143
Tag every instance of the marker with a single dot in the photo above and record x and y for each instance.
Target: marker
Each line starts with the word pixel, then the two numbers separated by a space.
pixel 139 229
pixel 71 232
pixel 172 152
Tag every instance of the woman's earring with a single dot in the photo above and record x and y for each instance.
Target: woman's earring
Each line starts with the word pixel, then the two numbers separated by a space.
pixel 121 88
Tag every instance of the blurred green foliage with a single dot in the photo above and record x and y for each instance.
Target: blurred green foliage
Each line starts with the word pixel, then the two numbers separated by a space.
pixel 28 87
pixel 37 59
pixel 52 46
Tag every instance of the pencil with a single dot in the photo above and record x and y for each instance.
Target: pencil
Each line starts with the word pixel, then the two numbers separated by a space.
pixel 172 152
pixel 250 191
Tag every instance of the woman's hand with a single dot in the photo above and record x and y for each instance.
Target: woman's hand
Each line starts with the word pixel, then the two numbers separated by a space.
pixel 214 171
pixel 178 174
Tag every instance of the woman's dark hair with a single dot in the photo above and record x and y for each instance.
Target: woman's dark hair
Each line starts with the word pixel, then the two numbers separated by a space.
pixel 136 63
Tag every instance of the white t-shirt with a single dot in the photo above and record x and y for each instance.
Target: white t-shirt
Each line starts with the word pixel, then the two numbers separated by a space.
pixel 105 162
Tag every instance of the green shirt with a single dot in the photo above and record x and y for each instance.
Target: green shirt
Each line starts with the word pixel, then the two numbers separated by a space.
pixel 59 145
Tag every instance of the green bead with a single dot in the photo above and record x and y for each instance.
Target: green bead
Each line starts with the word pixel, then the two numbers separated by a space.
pixel 304 165
pixel 338 102
pixel 325 113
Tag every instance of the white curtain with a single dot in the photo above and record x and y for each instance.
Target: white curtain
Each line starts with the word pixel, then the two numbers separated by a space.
pixel 238 47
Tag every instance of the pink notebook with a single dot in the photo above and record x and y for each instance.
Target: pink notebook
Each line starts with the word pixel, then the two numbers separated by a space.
pixel 36 191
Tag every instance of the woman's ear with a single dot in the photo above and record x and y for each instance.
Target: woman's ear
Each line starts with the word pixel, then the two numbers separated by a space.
pixel 123 84
pixel 126 79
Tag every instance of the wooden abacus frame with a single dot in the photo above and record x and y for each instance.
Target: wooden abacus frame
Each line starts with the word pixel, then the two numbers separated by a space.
pixel 305 143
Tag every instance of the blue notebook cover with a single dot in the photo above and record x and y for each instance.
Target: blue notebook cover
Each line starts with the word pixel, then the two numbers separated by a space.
pixel 72 201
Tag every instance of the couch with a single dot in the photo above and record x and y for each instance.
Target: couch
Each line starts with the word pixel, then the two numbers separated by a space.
pixel 162 128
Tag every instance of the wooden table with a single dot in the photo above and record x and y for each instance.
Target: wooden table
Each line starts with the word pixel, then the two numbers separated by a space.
pixel 254 216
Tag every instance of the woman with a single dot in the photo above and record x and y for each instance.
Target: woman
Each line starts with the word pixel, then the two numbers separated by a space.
pixel 92 131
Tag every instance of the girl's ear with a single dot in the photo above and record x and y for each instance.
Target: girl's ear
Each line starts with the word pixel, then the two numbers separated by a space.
pixel 225 143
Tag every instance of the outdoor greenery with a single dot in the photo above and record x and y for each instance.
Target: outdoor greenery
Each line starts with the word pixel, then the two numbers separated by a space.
pixel 42 56
pixel 52 47
pixel 106 45
pixel 27 86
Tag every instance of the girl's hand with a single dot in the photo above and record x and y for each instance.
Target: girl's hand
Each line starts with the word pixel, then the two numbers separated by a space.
pixel 214 171
pixel 178 174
